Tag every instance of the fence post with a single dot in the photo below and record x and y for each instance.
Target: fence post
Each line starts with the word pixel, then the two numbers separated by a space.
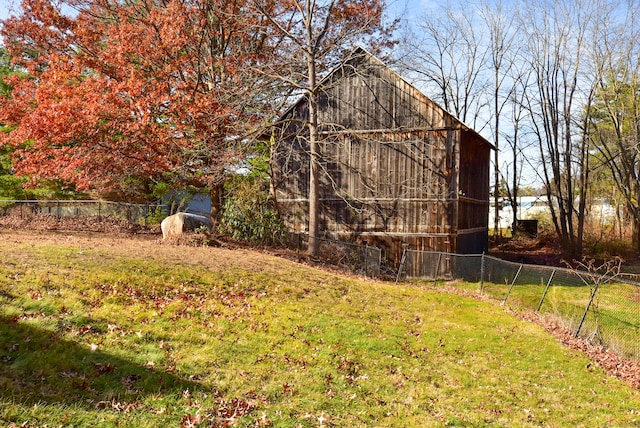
pixel 586 310
pixel 482 273
pixel 545 290
pixel 504 302
pixel 366 256
pixel 435 276
pixel 402 260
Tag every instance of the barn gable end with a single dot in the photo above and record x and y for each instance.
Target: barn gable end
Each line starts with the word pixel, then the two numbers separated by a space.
pixel 396 168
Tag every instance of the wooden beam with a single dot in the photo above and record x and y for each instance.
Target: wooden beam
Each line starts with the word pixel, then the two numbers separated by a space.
pixel 390 131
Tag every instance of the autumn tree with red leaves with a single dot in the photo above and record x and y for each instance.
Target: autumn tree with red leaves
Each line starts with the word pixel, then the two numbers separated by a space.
pixel 122 96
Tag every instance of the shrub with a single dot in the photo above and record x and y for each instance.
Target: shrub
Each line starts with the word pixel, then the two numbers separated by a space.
pixel 248 214
pixel 155 215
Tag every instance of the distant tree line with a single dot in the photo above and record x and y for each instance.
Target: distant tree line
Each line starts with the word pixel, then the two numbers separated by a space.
pixel 556 83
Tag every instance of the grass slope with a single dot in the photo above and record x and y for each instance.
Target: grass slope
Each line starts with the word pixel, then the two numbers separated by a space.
pixel 108 331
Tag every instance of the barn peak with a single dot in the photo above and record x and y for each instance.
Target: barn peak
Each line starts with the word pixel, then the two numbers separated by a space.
pixel 360 62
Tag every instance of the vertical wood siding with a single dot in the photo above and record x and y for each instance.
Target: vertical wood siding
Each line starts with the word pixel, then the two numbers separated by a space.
pixel 396 168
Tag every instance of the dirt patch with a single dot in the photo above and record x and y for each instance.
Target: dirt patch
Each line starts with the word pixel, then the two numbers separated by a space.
pixel 540 250
pixel 124 242
pixel 99 224
pixel 127 239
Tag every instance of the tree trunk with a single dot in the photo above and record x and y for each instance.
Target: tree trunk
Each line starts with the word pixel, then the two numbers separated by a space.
pixel 514 202
pixel 635 238
pixel 496 184
pixel 633 215
pixel 314 185
pixel 314 193
pixel 217 198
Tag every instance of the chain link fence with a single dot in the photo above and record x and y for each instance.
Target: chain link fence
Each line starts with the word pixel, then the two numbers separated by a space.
pixel 134 213
pixel 602 308
pixel 360 259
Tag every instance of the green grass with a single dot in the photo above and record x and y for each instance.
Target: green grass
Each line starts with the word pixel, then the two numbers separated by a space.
pixel 90 336
pixel 613 318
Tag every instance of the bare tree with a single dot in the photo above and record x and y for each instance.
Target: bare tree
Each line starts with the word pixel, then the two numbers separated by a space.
pixel 543 61
pixel 500 24
pixel 518 144
pixel 556 53
pixel 615 116
pixel 450 59
pixel 318 32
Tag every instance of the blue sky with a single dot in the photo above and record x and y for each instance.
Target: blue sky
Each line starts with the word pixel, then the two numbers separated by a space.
pixel 395 5
pixel 413 7
pixel 6 6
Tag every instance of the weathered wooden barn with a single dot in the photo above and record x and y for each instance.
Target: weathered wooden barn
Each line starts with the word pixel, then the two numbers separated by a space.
pixel 396 169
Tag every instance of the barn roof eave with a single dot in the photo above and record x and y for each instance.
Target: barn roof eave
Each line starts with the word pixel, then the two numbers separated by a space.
pixel 478 136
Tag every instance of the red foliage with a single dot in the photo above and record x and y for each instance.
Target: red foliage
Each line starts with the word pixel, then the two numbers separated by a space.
pixel 124 94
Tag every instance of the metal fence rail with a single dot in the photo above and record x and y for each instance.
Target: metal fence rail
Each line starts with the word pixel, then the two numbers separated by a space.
pixel 361 259
pixel 604 309
pixel 134 213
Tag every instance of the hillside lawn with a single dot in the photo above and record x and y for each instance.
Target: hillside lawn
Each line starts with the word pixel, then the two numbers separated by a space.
pixel 118 330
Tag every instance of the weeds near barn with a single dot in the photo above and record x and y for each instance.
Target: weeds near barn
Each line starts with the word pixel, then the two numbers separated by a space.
pixel 108 331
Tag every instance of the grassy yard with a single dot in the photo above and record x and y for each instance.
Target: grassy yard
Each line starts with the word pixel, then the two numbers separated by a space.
pixel 114 331
pixel 613 318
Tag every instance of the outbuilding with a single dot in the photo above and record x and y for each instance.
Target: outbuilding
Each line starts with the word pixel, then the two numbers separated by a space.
pixel 397 170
